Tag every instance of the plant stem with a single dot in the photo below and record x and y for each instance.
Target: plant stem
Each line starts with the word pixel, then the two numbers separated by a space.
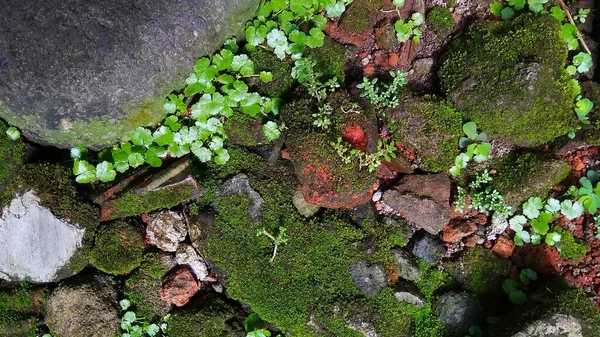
pixel 267 234
pixel 579 36
pixel 274 253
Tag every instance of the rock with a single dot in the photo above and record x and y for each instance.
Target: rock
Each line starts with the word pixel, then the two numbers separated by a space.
pixel 457 230
pixel 423 66
pixel 369 279
pixel 179 287
pixel 199 226
pixel 305 209
pixel 398 227
pixel 208 316
pixel 458 311
pixel 498 226
pixel 362 325
pixel 121 60
pixel 504 247
pixel 400 164
pixel 118 248
pixel 363 215
pixel 84 309
pixel 555 325
pixel 429 248
pixel 187 256
pixel 240 185
pixel 37 246
pixel 406 267
pixel 409 293
pixel 166 229
pixel 479 270
pixel 424 200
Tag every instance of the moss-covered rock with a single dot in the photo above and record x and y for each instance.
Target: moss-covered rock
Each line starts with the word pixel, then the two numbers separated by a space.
pixel 509 77
pixel 118 248
pixel 431 128
pixel 11 160
pixel 282 82
pixel 244 130
pixel 360 17
pixel 525 174
pixel 331 60
pixel 479 270
pixel 208 317
pixel 18 308
pixel 440 20
pixel 568 246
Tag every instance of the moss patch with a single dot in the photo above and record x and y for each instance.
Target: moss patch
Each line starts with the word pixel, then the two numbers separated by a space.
pixel 440 20
pixel 18 308
pixel 525 174
pixel 360 16
pixel 242 129
pixel 283 81
pixel 431 128
pixel 479 270
pixel 11 161
pixel 118 248
pixel 432 279
pixel 331 60
pixel 207 317
pixel 143 287
pixel 568 247
pixel 509 78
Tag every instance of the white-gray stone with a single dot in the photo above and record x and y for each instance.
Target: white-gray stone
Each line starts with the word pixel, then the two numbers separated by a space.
pixel 36 245
pixel 166 229
pixel 305 209
pixel 555 325
pixel 410 298
pixel 187 255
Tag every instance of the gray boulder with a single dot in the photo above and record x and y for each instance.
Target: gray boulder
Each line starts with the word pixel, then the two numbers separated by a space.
pixel 77 72
pixel 84 309
pixel 555 325
pixel 458 311
pixel 369 279
pixel 37 246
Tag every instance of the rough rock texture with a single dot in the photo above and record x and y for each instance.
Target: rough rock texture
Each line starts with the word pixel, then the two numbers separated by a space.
pixel 305 209
pixel 208 316
pixel 240 185
pixel 429 248
pixel 424 200
pixel 179 287
pixel 479 270
pixel 37 246
pixel 555 325
pixel 78 72
pixel 458 311
pixel 84 309
pixel 199 226
pixel 369 279
pixel 409 293
pixel 406 267
pixel 187 255
pixel 166 229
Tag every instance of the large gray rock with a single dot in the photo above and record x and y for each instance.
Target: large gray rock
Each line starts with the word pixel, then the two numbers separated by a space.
pixel 84 309
pixel 36 245
pixel 458 311
pixel 369 279
pixel 76 72
pixel 555 325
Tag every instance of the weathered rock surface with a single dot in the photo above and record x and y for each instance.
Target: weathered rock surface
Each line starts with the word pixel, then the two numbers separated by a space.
pixel 369 279
pixel 429 248
pixel 424 200
pixel 199 226
pixel 77 72
pixel 305 209
pixel 166 229
pixel 555 325
pixel 84 309
pixel 37 246
pixel 458 311
pixel 240 185
pixel 409 293
pixel 179 287
pixel 187 255
pixel 406 267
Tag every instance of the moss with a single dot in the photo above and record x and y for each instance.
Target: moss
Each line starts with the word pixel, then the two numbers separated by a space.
pixel 432 279
pixel 142 288
pixel 575 302
pixel 11 160
pixel 331 60
pixel 525 174
pixel 118 248
pixel 568 247
pixel 509 78
pixel 440 20
pixel 18 308
pixel 131 203
pixel 210 317
pixel 385 236
pixel 359 18
pixel 242 129
pixel 283 81
pixel 479 270
pixel 431 128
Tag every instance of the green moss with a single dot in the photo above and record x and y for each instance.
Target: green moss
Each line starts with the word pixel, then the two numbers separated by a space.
pixel 242 129
pixel 118 248
pixel 509 78
pixel 283 81
pixel 568 247
pixel 479 270
pixel 525 174
pixel 360 17
pixel 431 128
pixel 11 161
pixel 440 20
pixel 18 308
pixel 209 317
pixel 131 203
pixel 432 279
pixel 575 302
pixel 331 60
pixel 393 233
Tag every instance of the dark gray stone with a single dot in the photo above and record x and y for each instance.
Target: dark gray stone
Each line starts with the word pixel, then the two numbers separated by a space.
pixel 369 279
pixel 79 72
pixel 406 267
pixel 429 248
pixel 458 311
pixel 240 185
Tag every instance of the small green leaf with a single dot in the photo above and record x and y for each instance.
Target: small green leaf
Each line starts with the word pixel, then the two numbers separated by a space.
pixel 222 157
pixel 507 13
pixel 517 297
pixel 163 136
pixel 536 6
pixel 271 131
pixel 152 156
pixel 135 159
pixel 202 153
pixel 105 172
pixel 557 13
pixel 540 225
pixel 517 4
pixel 583 62
pixel 532 206
pixel 152 330
pixel 552 205
pixel 316 38
pixel 78 151
pixel 470 129
pixel 84 171
pixel 124 304
pixel 571 210
pixel 142 136
pixel 583 106
pixel 496 8
pixel 172 122
pixel 243 65
pixel 266 76
pixel 13 133
pixel 398 3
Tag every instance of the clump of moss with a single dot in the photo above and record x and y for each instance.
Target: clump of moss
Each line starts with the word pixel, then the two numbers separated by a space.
pixel 479 270
pixel 360 18
pixel 509 77
pixel 242 129
pixel 18 308
pixel 11 160
pixel 142 288
pixel 207 317
pixel 331 59
pixel 432 279
pixel 568 247
pixel 265 60
pixel 431 128
pixel 440 20
pixel 525 174
pixel 118 248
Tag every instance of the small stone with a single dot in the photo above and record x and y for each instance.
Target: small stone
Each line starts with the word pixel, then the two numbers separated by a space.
pixel 179 287
pixel 429 248
pixel 218 287
pixel 369 70
pixel 458 311
pixel 381 58
pixel 423 66
pixel 406 267
pixel 404 296
pixel 240 185
pixel 504 247
pixel 187 255
pixel 305 209
pixel 369 279
pixel 166 229
pixel 497 227
pixel 377 196
pixel 457 230
pixel 393 59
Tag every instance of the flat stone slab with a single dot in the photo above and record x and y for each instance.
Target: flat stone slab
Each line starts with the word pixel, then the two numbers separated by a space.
pixel 36 246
